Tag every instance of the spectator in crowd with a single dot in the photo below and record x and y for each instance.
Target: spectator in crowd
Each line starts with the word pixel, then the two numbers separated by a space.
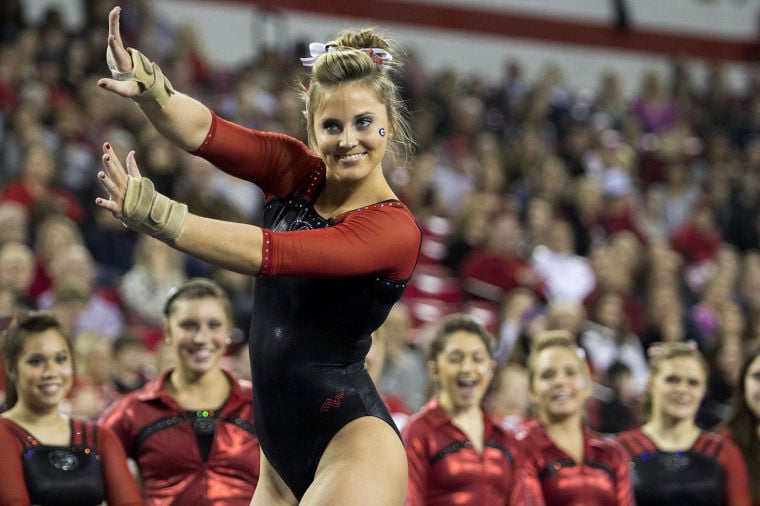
pixel 520 308
pixel 567 275
pixel 403 367
pixel 128 370
pixel 240 289
pixel 36 187
pixel 14 223
pixel 157 268
pixel 375 361
pixel 93 390
pixel 567 315
pixel 607 338
pixel 565 462
pixel 583 210
pixel 613 407
pixel 615 265
pixel 470 229
pixel 742 424
pixel 537 216
pixel 681 192
pixel 704 314
pixel 654 107
pixel 73 270
pixel 457 451
pixel 724 359
pixel 651 220
pixel 748 285
pixel 17 268
pixel 39 438
pixel 52 236
pixel 698 240
pixel 454 176
pixel 619 206
pixel 673 461
pixel 508 398
pixel 191 430
pixel 491 271
pixel 112 245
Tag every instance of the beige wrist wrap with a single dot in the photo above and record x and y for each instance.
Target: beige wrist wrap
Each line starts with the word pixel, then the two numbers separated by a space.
pixel 156 86
pixel 148 211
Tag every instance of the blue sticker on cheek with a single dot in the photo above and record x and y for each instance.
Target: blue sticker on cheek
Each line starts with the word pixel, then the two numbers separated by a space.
pixel 382 132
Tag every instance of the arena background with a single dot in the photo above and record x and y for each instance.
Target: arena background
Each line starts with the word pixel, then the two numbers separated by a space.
pixel 477 36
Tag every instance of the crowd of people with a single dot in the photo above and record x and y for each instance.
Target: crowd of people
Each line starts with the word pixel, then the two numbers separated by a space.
pixel 588 278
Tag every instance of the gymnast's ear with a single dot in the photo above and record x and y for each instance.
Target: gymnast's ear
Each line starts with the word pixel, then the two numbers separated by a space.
pixel 432 369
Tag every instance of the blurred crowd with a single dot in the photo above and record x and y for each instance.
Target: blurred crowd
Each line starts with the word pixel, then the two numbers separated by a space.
pixel 627 219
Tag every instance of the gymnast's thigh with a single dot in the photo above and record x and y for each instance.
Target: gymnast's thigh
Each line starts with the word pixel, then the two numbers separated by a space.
pixel 271 490
pixel 364 463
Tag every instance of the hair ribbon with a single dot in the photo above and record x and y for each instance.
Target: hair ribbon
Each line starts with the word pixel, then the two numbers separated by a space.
pixel 317 49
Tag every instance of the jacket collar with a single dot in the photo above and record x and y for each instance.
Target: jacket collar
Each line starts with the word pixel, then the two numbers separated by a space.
pixel 157 390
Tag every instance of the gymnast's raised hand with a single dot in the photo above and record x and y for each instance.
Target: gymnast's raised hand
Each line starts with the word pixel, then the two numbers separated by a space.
pixel 114 179
pixel 119 61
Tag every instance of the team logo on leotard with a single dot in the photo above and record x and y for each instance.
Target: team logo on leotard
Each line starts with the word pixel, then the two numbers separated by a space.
pixel 331 403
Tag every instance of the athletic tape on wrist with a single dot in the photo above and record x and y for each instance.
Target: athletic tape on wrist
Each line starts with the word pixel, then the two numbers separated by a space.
pixel 153 213
pixel 156 87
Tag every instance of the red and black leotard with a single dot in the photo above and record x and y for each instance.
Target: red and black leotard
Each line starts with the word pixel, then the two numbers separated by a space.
pixel 324 286
pixel 552 478
pixel 711 472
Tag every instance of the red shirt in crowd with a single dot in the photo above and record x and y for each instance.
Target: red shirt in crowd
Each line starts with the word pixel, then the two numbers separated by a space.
pixel 490 276
pixel 445 468
pixel 552 478
pixel 58 199
pixel 157 433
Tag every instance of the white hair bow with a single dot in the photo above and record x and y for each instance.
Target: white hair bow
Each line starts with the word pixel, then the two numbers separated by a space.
pixel 317 49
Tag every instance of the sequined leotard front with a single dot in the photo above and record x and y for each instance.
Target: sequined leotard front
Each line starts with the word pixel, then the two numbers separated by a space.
pixel 711 472
pixel 324 286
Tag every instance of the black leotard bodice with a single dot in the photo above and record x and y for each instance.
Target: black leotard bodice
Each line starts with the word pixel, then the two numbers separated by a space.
pixel 677 479
pixel 309 337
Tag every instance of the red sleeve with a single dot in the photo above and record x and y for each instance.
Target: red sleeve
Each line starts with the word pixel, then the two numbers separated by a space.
pixel 417 461
pixel 735 480
pixel 519 495
pixel 383 240
pixel 12 488
pixel 274 162
pixel 119 423
pixel 529 482
pixel 120 484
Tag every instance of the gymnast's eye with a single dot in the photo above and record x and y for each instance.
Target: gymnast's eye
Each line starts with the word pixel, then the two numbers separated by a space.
pixel 331 126
pixel 34 360
pixel 364 122
pixel 454 358
pixel 215 324
pixel 548 374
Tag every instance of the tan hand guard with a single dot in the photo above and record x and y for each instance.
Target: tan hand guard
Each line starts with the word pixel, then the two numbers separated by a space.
pixel 156 86
pixel 148 211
